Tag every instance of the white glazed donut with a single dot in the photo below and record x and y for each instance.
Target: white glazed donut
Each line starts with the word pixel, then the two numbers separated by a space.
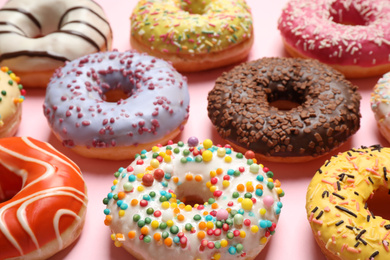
pixel 380 105
pixel 193 201
pixel 49 33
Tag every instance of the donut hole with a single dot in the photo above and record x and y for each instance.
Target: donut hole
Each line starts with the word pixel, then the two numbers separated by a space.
pixel 281 99
pixel 194 7
pixel 191 193
pixel 378 202
pixel 115 86
pixel 342 13
pixel 114 95
pixel 10 184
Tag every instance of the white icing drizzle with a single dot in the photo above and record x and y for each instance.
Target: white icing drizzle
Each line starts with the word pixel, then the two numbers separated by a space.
pixel 56 223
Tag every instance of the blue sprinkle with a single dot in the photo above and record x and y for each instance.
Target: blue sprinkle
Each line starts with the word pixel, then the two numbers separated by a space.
pixel 144 152
pixel 124 206
pixel 167 176
pixel 132 178
pixel 106 211
pixel 163 192
pixel 176 239
pixel 119 203
pixel 209 218
pixel 110 195
pixel 240 211
pixel 164 183
pixel 189 159
pixel 120 170
pixel 230 172
pixel 259 192
pixel 263 223
pixel 277 211
pixel 228 150
pixel 113 187
pixel 260 178
pixel 232 250
pixel 269 223
pixel 279 204
pixel 146 197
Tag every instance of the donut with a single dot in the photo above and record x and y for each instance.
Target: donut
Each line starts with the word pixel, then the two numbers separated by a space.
pixel 351 36
pixel 42 199
pixel 380 105
pixel 109 105
pixel 336 204
pixel 43 30
pixel 284 109
pixel 193 201
pixel 11 98
pixel 193 35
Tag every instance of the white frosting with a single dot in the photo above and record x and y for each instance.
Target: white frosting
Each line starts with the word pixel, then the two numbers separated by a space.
pixel 199 178
pixel 44 29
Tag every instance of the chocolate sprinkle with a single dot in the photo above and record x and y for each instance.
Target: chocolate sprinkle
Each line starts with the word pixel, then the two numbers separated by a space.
pixel 346 211
pixel 374 254
pixel 240 106
pixel 337 195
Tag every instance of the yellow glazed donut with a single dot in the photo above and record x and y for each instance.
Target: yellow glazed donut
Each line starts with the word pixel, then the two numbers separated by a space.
pixel 336 205
pixel 193 201
pixel 39 36
pixel 380 105
pixel 11 99
pixel 193 35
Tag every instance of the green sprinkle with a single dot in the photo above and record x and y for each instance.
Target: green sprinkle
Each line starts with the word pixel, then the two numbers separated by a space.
pixel 10 82
pixel 141 223
pixel 4 93
pixel 165 234
pixel 147 239
pixel 174 230
pixel 197 217
pixel 136 218
pixel 163 225
pixel 239 155
pixel 188 226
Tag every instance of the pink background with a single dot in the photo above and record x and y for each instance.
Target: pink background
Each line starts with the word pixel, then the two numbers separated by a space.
pixel 293 239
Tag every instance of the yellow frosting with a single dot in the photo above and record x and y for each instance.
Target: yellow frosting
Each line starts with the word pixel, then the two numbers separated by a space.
pixel 191 26
pixel 10 97
pixel 336 204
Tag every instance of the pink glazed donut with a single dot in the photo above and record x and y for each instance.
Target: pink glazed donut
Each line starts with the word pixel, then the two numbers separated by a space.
pixel 351 36
pixel 111 105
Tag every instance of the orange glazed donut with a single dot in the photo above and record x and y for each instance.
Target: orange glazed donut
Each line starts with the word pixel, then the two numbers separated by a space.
pixel 42 199
pixel 336 203
pixel 35 35
pixel 193 35
pixel 351 36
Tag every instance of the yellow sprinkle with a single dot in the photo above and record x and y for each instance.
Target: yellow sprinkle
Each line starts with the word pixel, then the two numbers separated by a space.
pixel 263 211
pixel 247 204
pixel 217 256
pixel 115 182
pixel 213 174
pixel 209 43
pixel 228 159
pixel 224 243
pixel 140 175
pixel 207 156
pixel 225 183
pixel 188 208
pixel 173 205
pixel 254 229
pixel 239 200
pixel 154 163
pixel 210 225
pixel 242 234
pixel 121 213
pixel 208 184
pixel 113 237
pixel 4 69
pixel 140 188
pixel 165 205
pixel 207 143
pixel 155 149
pixel 213 188
pixel 263 240
pixel 167 158
pixel 162 154
pixel 270 180
pixel 170 223
pixel 118 244
pixel 154 224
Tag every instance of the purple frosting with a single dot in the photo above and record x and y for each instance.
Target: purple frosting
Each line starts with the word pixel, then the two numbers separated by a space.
pixel 156 100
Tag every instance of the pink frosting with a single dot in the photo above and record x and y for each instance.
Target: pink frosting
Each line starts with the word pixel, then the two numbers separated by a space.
pixel 157 100
pixel 339 32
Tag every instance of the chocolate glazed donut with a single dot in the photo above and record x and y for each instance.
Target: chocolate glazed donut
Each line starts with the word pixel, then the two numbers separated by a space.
pixel 284 109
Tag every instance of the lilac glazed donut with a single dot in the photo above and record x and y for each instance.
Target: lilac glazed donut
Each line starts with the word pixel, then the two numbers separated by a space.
pixel 111 105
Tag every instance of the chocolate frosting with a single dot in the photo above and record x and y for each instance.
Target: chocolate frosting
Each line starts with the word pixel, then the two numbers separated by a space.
pixel 327 114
